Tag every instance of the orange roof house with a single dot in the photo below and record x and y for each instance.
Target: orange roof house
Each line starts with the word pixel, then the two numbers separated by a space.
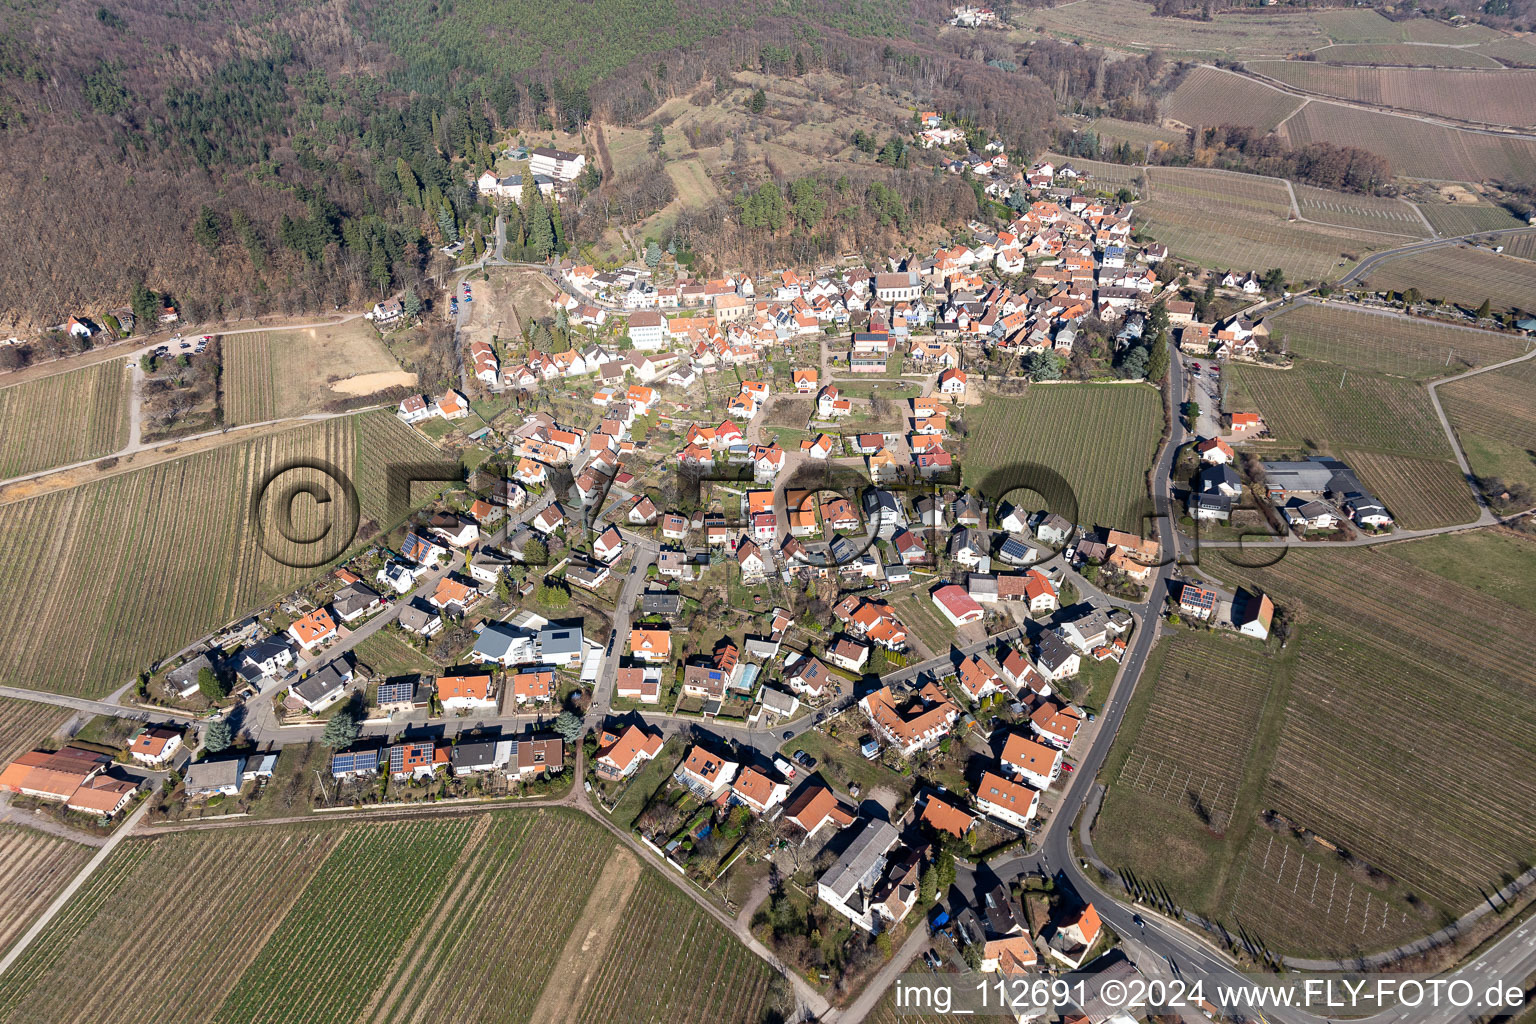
pixel 946 817
pixel 535 687
pixel 313 629
pixel 464 691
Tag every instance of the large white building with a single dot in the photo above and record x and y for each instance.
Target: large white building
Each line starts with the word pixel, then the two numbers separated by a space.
pixel 556 163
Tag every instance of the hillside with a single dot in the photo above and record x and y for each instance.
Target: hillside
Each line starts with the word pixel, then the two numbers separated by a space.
pixel 249 158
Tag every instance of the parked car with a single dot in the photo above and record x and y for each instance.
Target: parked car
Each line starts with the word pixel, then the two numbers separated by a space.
pixel 784 768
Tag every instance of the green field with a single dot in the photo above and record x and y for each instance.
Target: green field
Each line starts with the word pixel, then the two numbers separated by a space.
pixel 1451 219
pixel 1318 405
pixel 1380 343
pixel 385 921
pixel 1128 25
pixel 101 579
pixel 68 417
pixel 1099 438
pixel 1498 562
pixel 1383 650
pixel 1462 275
pixel 1494 416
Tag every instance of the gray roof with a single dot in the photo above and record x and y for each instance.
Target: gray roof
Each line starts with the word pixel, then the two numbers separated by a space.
pixel 479 754
pixel 414 616
pixel 326 681
pixel 496 640
pixel 778 701
pixel 209 776
pixel 1053 651
pixel 560 640
pixel 263 650
pixel 186 675
pixel 1212 477
pixel 861 862
pixel 354 598
pixel 661 602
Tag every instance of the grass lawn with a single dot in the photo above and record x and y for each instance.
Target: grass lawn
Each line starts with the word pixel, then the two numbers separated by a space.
pixel 645 782
pixel 1091 687
pixel 1499 563
pixel 841 763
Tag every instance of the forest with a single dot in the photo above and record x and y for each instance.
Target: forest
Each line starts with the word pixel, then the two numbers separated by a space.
pixel 247 158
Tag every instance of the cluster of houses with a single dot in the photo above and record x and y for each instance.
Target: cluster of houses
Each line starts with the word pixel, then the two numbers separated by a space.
pixel 452 405
pixel 550 170
pixel 517 759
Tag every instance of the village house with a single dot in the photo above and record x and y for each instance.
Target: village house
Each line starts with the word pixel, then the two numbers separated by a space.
pixel 919 722
pixel 620 755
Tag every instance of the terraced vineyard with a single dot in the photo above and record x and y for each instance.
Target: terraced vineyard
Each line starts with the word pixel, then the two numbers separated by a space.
pixel 1413 147
pixel 705 975
pixel 1371 341
pixel 166 553
pixel 37 866
pixel 68 417
pixel 25 723
pixel 1114 431
pixel 1316 404
pixel 1220 191
pixel 1255 240
pixel 1406 55
pixel 1487 97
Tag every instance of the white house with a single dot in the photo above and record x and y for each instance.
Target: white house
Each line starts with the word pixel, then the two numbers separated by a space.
pixel 1009 802
pixel 556 163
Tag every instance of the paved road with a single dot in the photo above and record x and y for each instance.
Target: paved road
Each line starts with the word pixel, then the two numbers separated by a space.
pixel 95 707
pixel 1371 262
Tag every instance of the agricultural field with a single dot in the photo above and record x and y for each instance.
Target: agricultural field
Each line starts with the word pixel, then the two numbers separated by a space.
pixel 1422 493
pixel 1322 406
pixel 1381 654
pixel 277 374
pixel 1523 246
pixel 706 973
pixel 1363 339
pixel 1210 96
pixel 64 975
pixel 1404 55
pixel 1111 130
pixel 1115 430
pixel 1512 51
pixel 170 551
pixel 385 921
pixel 1494 416
pixel 1255 241
pixel 1498 562
pixel 1485 97
pixel 1414 148
pixel 1219 191
pixel 693 185
pixel 1210 684
pixel 1368 26
pixel 37 867
pixel 388 655
pixel 1464 218
pixel 1461 274
pixel 65 418
pixel 1368 213
pixel 24 724
pixel 1111 23
pixel 1388 650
